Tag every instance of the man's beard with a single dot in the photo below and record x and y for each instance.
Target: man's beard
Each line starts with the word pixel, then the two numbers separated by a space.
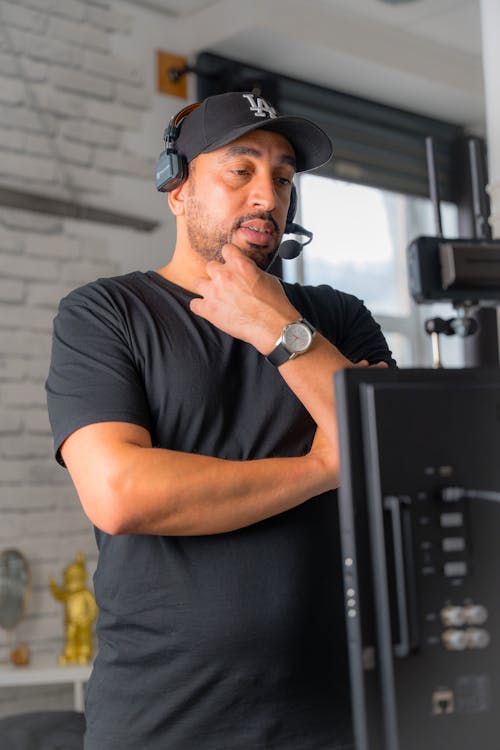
pixel 208 240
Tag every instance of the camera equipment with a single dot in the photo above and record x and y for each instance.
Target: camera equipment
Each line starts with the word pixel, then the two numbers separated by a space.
pixel 464 272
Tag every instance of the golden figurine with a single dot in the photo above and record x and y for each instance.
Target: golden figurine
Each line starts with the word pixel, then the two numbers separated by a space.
pixel 80 611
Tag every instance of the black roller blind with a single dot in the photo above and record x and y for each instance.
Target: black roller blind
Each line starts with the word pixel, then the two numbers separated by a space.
pixel 374 144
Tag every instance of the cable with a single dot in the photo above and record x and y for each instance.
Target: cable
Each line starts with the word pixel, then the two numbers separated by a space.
pixel 455 494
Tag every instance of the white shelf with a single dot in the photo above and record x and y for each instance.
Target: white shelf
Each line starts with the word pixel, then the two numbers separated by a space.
pixel 46 671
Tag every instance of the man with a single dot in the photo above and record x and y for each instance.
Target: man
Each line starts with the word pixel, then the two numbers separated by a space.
pixel 205 455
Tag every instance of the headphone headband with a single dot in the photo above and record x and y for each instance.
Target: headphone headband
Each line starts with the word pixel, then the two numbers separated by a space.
pixel 171 132
pixel 171 168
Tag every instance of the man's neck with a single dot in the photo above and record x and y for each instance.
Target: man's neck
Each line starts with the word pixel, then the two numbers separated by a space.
pixel 183 270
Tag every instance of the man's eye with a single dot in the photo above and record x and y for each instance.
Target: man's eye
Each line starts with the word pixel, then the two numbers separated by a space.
pixel 240 171
pixel 283 180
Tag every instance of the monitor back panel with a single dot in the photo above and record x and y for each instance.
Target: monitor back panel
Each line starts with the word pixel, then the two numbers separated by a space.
pixel 421 573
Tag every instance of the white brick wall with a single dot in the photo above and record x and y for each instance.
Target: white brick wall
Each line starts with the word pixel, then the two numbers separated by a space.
pixel 35 71
pixel 37 501
pixel 58 77
pixel 82 83
pixel 11 91
pixel 76 95
pixel 24 18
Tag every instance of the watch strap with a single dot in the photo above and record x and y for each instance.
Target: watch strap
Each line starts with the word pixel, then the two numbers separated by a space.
pixel 279 355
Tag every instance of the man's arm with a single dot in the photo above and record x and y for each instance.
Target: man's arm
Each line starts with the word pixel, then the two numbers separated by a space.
pixel 249 304
pixel 127 486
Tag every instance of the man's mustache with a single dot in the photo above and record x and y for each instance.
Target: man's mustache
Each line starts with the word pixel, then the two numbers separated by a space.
pixel 264 215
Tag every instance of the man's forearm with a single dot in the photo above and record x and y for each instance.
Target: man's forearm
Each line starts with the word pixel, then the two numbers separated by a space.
pixel 310 377
pixel 209 496
pixel 126 486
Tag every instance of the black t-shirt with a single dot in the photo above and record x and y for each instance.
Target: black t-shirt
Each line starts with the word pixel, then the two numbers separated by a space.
pixel 229 641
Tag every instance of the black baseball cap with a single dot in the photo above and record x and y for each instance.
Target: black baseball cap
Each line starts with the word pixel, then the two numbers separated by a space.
pixel 223 118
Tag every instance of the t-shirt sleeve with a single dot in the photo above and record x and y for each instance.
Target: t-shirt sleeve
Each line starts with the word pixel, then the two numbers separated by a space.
pixel 345 321
pixel 362 337
pixel 92 376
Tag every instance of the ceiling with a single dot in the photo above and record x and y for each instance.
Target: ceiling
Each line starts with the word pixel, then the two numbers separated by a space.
pixel 453 23
pixel 422 55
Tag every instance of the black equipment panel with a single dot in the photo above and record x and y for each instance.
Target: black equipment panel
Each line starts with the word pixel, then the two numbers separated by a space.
pixel 420 529
pixel 454 270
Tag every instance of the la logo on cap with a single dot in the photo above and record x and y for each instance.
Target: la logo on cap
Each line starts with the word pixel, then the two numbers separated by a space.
pixel 260 107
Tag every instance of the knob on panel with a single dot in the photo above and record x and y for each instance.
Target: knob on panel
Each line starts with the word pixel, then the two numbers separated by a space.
pixel 475 614
pixel 477 637
pixel 452 616
pixel 454 640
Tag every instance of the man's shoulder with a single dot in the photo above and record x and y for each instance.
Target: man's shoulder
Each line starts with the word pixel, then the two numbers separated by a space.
pixel 322 296
pixel 105 291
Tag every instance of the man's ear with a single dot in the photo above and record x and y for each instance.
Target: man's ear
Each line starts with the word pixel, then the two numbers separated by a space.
pixel 176 200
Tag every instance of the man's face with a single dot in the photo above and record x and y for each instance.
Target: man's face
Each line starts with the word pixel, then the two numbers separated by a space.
pixel 240 194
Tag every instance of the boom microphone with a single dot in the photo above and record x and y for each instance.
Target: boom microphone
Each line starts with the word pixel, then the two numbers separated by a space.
pixel 292 248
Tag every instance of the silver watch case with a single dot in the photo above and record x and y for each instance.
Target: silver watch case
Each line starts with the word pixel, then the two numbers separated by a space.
pixel 296 338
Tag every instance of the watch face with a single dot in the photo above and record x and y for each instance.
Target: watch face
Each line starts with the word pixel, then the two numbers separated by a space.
pixel 297 337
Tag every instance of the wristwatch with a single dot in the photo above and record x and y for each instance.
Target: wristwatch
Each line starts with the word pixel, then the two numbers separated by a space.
pixel 296 338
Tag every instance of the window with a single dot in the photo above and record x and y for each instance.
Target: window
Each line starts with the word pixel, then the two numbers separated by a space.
pixel 360 239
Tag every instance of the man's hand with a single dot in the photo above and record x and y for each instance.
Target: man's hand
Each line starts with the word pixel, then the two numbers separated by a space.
pixel 365 363
pixel 243 301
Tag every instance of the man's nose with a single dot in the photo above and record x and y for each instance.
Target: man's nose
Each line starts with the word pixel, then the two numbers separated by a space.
pixel 263 193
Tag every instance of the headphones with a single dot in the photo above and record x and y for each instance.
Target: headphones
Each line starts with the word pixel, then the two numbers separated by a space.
pixel 171 167
pixel 172 171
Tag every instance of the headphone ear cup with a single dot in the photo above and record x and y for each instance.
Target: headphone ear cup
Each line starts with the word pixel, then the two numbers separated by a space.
pixel 292 208
pixel 171 171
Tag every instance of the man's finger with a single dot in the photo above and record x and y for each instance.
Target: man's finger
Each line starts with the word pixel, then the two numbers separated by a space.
pixel 231 251
pixel 365 363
